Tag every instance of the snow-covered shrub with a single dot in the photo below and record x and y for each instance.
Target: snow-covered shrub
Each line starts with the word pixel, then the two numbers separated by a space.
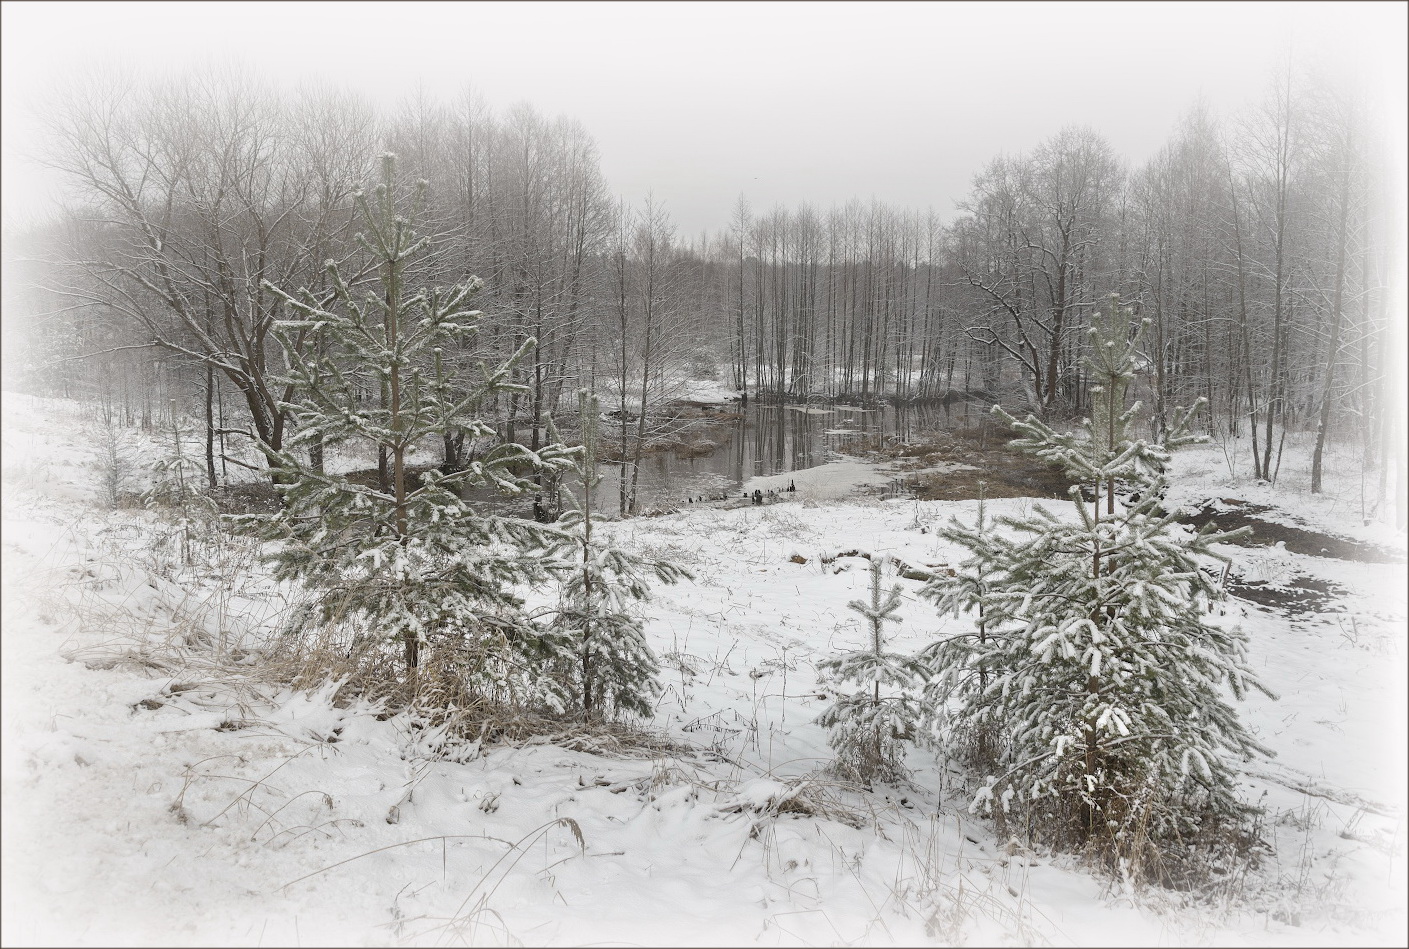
pixel 871 725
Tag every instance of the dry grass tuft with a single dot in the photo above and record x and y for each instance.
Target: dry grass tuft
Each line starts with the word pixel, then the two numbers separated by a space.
pixel 441 692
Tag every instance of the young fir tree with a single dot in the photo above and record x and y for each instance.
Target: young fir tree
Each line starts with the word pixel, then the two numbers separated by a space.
pixel 1099 664
pixel 968 590
pixel 870 726
pixel 406 560
pixel 595 642
pixel 177 489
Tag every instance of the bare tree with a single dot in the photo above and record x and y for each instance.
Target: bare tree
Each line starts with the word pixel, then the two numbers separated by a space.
pixel 651 339
pixel 1269 155
pixel 189 196
pixel 1338 145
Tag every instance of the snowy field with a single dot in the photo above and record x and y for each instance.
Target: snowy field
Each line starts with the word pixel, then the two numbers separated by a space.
pixel 157 791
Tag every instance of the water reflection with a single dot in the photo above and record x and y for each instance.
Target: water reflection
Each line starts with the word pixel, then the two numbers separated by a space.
pixel 771 438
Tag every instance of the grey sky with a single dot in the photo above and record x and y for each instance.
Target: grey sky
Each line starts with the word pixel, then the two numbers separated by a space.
pixel 784 102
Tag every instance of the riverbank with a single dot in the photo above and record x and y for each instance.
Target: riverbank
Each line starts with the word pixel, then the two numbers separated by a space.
pixel 161 787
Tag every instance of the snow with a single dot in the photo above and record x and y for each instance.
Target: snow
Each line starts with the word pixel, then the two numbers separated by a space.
pixel 675 387
pixel 706 391
pixel 153 796
pixel 842 478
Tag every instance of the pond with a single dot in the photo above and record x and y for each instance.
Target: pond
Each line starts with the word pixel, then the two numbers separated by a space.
pixel 722 446
pixel 772 438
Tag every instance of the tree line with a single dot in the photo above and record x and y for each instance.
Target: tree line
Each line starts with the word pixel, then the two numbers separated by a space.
pixel 1259 247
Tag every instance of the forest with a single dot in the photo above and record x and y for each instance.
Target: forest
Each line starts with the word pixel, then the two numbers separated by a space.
pixel 1258 245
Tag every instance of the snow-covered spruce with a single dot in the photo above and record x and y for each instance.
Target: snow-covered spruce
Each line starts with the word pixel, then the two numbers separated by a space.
pixel 594 645
pixel 969 590
pixel 871 725
pixel 406 560
pixel 1097 664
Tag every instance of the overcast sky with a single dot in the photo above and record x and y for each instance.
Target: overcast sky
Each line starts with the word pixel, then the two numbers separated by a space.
pixel 783 102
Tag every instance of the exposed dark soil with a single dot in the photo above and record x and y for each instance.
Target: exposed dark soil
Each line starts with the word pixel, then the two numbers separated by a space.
pixel 995 470
pixel 1004 473
pixel 1298 540
pixel 1300 594
pixel 1001 472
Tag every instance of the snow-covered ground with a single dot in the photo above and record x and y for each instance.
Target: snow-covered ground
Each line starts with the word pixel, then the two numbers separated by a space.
pixel 154 795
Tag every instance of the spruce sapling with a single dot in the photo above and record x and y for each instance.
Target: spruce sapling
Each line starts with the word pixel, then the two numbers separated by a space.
pixel 177 488
pixel 968 590
pixel 115 452
pixel 1099 664
pixel 596 642
pixel 406 560
pixel 870 726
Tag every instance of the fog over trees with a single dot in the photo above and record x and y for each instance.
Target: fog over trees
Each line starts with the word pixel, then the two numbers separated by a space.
pixel 1259 246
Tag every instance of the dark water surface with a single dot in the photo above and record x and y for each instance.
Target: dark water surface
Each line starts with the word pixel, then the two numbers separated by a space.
pixel 772 438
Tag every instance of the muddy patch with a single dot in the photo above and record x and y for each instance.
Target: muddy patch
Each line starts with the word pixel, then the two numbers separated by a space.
pixel 994 470
pixel 1300 594
pixel 1231 515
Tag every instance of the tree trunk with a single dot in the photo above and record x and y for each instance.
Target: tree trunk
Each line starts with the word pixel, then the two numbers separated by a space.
pixel 1333 345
